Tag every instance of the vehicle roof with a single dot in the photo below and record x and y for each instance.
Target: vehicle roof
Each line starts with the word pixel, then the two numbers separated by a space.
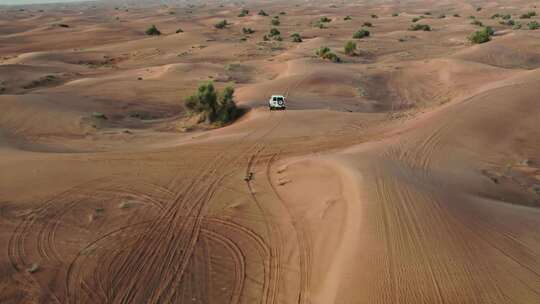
pixel 278 96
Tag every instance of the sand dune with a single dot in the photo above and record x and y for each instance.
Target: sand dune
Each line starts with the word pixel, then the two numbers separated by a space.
pixel 407 173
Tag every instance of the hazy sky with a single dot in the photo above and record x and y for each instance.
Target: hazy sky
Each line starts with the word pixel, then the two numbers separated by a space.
pixel 22 2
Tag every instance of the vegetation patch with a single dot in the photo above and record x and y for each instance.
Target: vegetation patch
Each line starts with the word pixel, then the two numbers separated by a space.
pixel 361 34
pixel 482 36
pixel 420 27
pixel 221 25
pixel 262 13
pixel 325 53
pixel 213 106
pixel 528 15
pixel 295 37
pixel 153 31
pixel 243 13
pixel 533 25
pixel 350 48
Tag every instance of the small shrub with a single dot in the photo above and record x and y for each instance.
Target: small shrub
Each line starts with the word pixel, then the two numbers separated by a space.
pixel 153 31
pixel 221 25
pixel 325 19
pixel 517 26
pixel 368 24
pixel 98 115
pixel 495 16
pixel 395 14
pixel 457 15
pixel 528 15
pixel 482 36
pixel 478 9
pixel 275 22
pixel 243 13
pixel 347 18
pixel 507 17
pixel 247 30
pixel 441 16
pixel 265 38
pixel 295 37
pixel 282 13
pixel 533 25
pixel 374 16
pixel 477 22
pixel 427 13
pixel 361 34
pixel 325 53
pixel 262 13
pixel 214 106
pixel 507 22
pixel 416 19
pixel 420 27
pixel 178 31
pixel 350 48
pixel 274 32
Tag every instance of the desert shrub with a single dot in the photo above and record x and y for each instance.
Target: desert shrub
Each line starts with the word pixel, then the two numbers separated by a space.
pixel 221 25
pixel 516 26
pixel 295 37
pixel 350 47
pixel 368 24
pixel 99 115
pixel 282 13
pixel 325 19
pixel 153 31
pixel 325 53
pixel 420 27
pixel 441 16
pixel 374 16
pixel 262 13
pixel 507 17
pixel 495 16
pixel 395 14
pixel 347 18
pixel 478 9
pixel 265 38
pixel 275 22
pixel 319 24
pixel 533 25
pixel 457 15
pixel 507 22
pixel 361 34
pixel 416 19
pixel 477 22
pixel 243 13
pixel 214 106
pixel 274 32
pixel 247 30
pixel 178 31
pixel 482 36
pixel 528 15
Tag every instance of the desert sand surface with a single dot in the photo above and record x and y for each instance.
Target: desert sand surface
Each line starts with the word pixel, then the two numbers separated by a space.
pixel 408 172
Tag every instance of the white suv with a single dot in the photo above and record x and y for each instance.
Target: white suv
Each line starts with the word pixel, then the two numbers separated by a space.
pixel 277 102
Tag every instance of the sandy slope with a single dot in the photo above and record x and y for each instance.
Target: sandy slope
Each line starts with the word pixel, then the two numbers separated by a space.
pixel 407 174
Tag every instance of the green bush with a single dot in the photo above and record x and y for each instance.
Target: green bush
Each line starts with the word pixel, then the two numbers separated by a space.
pixel 457 15
pixel 275 22
pixel 395 14
pixel 262 13
pixel 214 106
pixel 221 25
pixel 368 24
pixel 507 17
pixel 347 18
pixel 533 25
pixel 295 37
pixel 274 32
pixel 325 19
pixel 427 13
pixel 528 15
pixel 361 34
pixel 478 9
pixel 416 19
pixel 477 23
pixel 178 31
pixel 243 13
pixel 495 16
pixel 350 48
pixel 517 26
pixel 507 22
pixel 374 16
pixel 247 30
pixel 441 16
pixel 153 31
pixel 325 53
pixel 420 27
pixel 282 13
pixel 482 36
